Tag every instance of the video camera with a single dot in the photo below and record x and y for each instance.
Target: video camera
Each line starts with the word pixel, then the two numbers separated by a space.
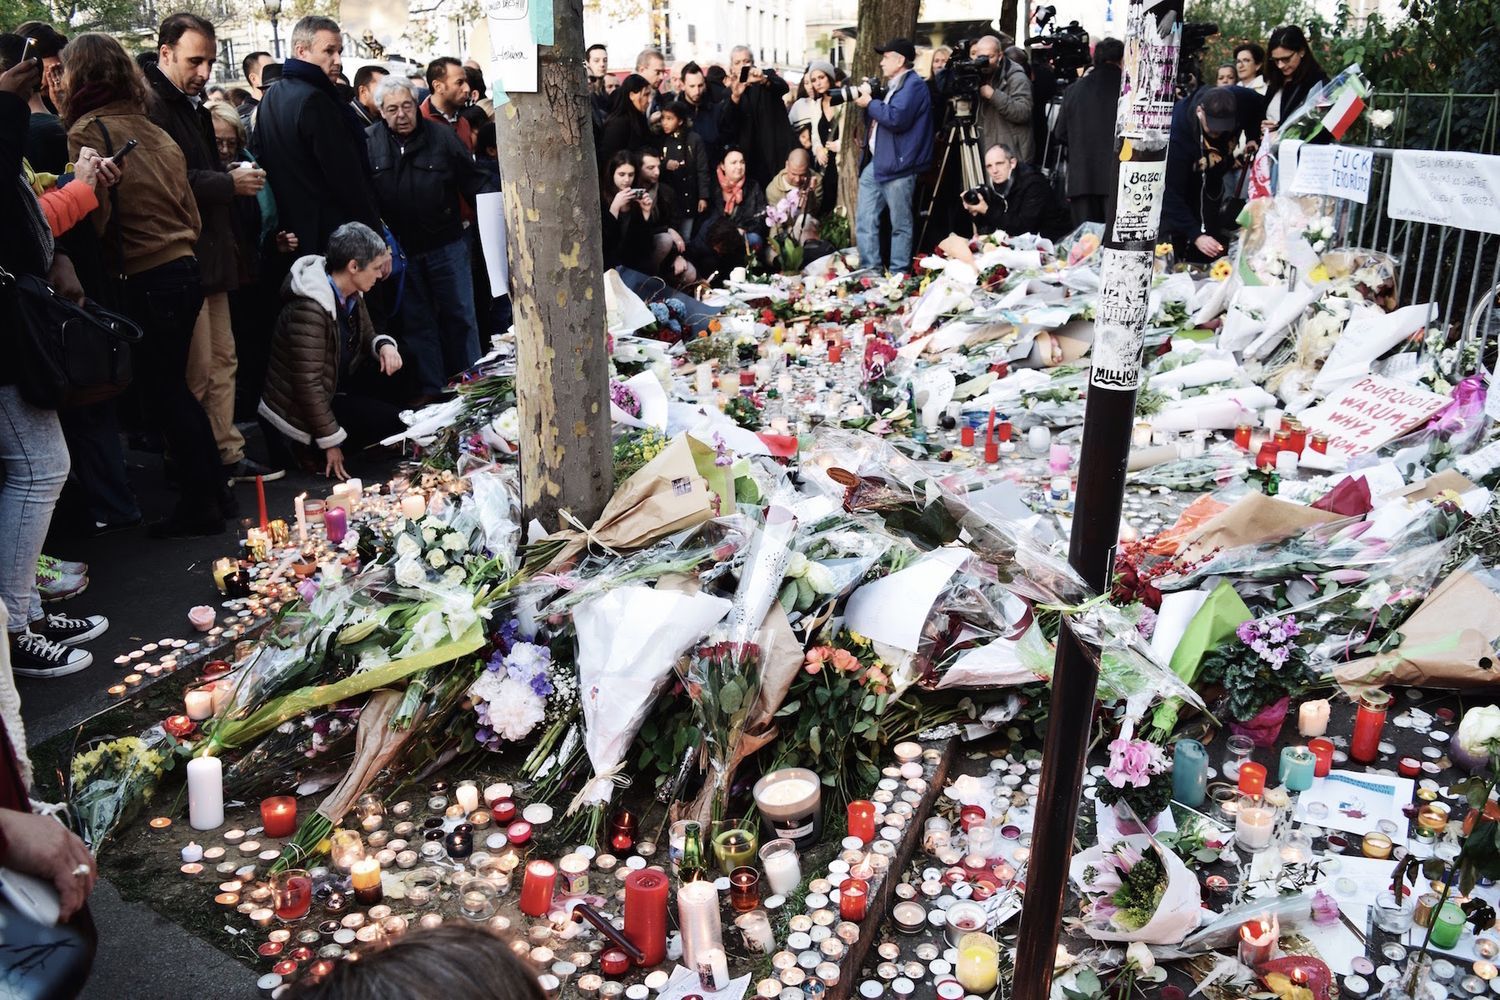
pixel 959 83
pixel 849 91
pixel 1064 52
pixel 1195 36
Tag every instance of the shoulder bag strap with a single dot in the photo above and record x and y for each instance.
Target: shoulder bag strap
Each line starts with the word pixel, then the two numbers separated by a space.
pixel 114 209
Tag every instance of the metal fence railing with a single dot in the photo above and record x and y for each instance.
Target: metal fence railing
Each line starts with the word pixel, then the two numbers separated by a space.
pixel 1454 268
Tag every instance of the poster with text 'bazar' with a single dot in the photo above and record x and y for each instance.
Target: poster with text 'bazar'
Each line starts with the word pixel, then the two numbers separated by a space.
pixel 1369 412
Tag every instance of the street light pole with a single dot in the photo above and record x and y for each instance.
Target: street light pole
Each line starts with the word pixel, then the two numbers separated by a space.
pixel 1154 31
pixel 273 11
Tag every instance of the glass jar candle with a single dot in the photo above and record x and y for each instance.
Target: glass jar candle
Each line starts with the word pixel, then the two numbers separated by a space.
pixel 854 898
pixel 1297 764
pixel 744 889
pixel 783 869
pixel 978 966
pixel 1448 926
pixel 1239 749
pixel 1254 824
pixel 1252 778
pixel 1322 751
pixel 1369 723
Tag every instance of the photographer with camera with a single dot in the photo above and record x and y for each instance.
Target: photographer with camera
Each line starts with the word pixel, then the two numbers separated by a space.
pixel 1018 199
pixel 898 147
pixel 1086 125
pixel 1005 92
pixel 1213 138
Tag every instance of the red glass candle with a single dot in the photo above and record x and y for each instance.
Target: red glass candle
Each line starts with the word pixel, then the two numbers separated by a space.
pixel 215 668
pixel 968 816
pixel 179 726
pixel 1409 767
pixel 966 436
pixel 869 328
pixel 854 896
pixel 503 811
pixel 614 962
pixel 744 889
pixel 1298 440
pixel 1242 436
pixel 835 353
pixel 1319 443
pixel 622 832
pixel 1004 431
pixel 1322 751
pixel 536 891
pixel 1283 438
pixel 862 820
pixel 519 832
pixel 646 913
pixel 1252 778
pixel 1369 722
pixel 292 895
pixel 278 814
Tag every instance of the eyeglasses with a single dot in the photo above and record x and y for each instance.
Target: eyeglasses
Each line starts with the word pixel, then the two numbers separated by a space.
pixel 1284 60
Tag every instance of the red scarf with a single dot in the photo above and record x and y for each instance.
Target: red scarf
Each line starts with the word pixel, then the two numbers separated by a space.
pixel 734 193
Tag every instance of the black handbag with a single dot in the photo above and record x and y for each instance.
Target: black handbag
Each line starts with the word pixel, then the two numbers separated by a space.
pixel 70 355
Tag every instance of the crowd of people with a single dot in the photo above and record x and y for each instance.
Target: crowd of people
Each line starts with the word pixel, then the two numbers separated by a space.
pixel 299 249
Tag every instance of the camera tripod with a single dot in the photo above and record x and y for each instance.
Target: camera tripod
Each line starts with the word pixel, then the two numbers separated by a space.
pixel 961 134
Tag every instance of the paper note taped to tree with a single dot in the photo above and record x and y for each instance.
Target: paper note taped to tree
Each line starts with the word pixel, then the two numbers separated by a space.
pixel 1369 412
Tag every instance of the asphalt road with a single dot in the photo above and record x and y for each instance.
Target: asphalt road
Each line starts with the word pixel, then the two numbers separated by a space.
pixel 145 588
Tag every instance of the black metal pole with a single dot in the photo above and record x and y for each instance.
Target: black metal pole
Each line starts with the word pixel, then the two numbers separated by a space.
pixel 275 38
pixel 1150 70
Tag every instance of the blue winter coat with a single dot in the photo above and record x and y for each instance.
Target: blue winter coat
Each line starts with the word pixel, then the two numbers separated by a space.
pixel 903 144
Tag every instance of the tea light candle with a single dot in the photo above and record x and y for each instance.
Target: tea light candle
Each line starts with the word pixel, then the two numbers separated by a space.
pixel 1312 717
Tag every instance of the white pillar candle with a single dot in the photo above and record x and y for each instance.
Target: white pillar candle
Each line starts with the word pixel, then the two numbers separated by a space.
pixel 698 916
pixel 1039 439
pixel 413 506
pixel 703 379
pixel 200 704
pixel 783 871
pixel 713 970
pixel 300 503
pixel 205 779
pixel 1312 718
pixel 467 796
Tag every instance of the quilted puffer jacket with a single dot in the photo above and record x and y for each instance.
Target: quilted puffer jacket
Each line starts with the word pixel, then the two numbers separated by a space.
pixel 304 371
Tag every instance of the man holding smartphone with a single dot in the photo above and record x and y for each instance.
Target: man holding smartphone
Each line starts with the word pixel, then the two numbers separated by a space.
pixel 46 140
pixel 186 50
pixel 754 118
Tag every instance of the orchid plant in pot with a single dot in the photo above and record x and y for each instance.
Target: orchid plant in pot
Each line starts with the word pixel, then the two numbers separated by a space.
pixel 1139 779
pixel 1261 669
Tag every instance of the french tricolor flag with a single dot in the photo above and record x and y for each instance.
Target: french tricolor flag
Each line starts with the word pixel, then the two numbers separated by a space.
pixel 1343 113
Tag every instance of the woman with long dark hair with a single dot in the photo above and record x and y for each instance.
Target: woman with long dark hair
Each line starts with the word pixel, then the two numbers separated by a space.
pixel 627 215
pixel 815 109
pixel 626 127
pixel 1294 74
pixel 148 233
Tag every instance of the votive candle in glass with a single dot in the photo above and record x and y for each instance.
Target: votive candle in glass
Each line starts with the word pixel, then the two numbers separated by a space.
pixel 1257 941
pixel 536 890
pixel 744 889
pixel 1252 778
pixel 1254 824
pixel 1448 926
pixel 734 846
pixel 364 876
pixel 1240 748
pixel 1322 751
pixel 862 820
pixel 783 870
pixel 346 847
pixel 854 898
pixel 978 965
pixel 278 816
pixel 291 891
pixel 1369 723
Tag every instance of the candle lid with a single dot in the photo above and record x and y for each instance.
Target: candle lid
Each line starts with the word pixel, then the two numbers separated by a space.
pixel 1375 700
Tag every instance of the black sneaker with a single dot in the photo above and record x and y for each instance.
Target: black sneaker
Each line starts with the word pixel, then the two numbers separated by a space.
pixel 66 630
pixel 179 526
pixel 33 656
pixel 246 470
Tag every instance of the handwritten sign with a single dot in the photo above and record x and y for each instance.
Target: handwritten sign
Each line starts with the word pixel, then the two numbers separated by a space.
pixel 1138 216
pixel 1340 171
pixel 1369 412
pixel 513 45
pixel 1448 189
pixel 1152 38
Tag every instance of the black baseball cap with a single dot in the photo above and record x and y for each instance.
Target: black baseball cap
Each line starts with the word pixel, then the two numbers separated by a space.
pixel 902 45
pixel 1220 110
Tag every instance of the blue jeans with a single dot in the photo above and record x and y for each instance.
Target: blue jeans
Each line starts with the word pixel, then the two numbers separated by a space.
pixel 440 335
pixel 34 457
pixel 875 197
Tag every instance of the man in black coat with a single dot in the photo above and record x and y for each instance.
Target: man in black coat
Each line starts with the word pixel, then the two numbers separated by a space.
pixel 1086 125
pixel 311 144
pixel 754 118
pixel 1018 198
pixel 185 56
pixel 423 175
pixel 1214 133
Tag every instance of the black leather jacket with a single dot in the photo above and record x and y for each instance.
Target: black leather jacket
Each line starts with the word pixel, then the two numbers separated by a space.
pixel 421 186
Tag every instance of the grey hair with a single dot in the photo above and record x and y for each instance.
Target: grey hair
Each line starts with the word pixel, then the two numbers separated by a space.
pixel 742 48
pixel 393 82
pixel 645 58
pixel 306 30
pixel 353 241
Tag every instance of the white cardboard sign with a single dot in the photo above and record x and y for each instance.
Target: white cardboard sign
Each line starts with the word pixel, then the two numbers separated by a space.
pixel 1340 171
pixel 1369 412
pixel 1447 189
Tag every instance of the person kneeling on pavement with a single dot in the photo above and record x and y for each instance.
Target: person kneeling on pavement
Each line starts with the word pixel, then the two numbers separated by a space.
pixel 323 349
pixel 1017 198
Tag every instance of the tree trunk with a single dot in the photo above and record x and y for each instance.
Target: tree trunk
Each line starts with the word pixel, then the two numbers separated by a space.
pixel 1010 14
pixel 879 21
pixel 552 215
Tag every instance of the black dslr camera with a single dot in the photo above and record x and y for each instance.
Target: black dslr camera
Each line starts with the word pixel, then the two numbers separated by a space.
pixel 849 91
